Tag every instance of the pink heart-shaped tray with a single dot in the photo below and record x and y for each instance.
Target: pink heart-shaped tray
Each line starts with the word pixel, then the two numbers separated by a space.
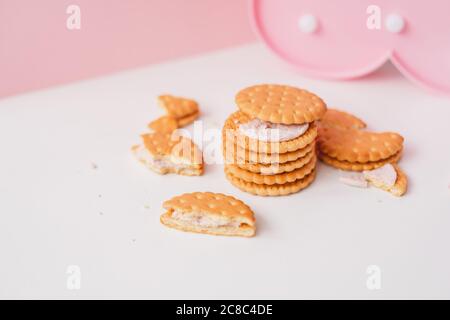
pixel 350 38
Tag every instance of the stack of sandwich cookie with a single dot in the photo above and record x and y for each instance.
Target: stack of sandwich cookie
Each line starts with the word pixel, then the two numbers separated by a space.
pixel 269 144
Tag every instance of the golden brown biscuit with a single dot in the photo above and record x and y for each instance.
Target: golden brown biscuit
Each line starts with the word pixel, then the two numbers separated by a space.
pixel 211 213
pixel 280 104
pixel 169 153
pixel 341 119
pixel 184 121
pixel 236 154
pixel 356 166
pixel 165 124
pixel 357 145
pixel 276 167
pixel 398 189
pixel 178 107
pixel 281 178
pixel 272 190
pixel 231 134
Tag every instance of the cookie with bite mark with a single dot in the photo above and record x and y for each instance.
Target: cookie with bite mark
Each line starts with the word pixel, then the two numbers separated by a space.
pixel 388 178
pixel 169 153
pixel 209 213
pixel 358 145
pixel 341 119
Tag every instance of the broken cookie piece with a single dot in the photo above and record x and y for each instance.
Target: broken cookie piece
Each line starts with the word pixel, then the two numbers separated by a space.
pixel 169 153
pixel 389 178
pixel 165 124
pixel 183 110
pixel 210 213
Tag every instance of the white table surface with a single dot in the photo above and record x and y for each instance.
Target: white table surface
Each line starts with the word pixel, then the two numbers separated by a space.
pixel 57 210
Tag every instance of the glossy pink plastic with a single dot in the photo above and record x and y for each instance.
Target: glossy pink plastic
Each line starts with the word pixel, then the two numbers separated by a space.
pixel 350 38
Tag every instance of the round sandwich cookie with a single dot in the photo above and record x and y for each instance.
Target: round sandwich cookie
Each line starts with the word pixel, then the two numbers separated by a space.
pixel 275 167
pixel 271 190
pixel 281 178
pixel 280 104
pixel 238 155
pixel 266 140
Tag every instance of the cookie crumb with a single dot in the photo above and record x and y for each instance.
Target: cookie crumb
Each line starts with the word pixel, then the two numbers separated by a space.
pixel 94 166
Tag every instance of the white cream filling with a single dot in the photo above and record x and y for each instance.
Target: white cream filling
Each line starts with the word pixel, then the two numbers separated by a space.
pixel 385 175
pixel 202 220
pixel 354 179
pixel 163 163
pixel 270 170
pixel 272 132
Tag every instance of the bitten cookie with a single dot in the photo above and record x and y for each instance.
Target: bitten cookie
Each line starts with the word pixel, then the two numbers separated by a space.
pixel 280 104
pixel 357 145
pixel 210 213
pixel 389 178
pixel 340 119
pixel 169 153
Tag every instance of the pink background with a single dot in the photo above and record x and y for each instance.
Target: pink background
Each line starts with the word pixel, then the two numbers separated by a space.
pixel 37 50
